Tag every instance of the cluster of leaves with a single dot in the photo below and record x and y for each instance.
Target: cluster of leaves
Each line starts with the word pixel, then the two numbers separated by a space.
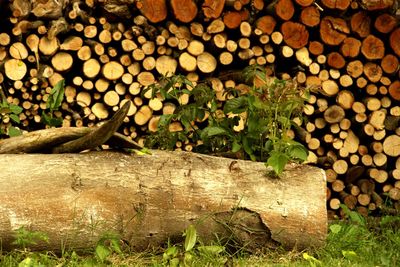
pixel 9 112
pixel 360 241
pixel 107 245
pixel 267 111
pixel 53 103
pixel 184 256
pixel 25 238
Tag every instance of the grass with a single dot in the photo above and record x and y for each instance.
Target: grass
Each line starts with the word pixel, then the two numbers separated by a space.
pixel 354 242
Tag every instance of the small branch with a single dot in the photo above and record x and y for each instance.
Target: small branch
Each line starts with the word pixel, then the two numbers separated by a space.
pixel 97 137
pixel 2 95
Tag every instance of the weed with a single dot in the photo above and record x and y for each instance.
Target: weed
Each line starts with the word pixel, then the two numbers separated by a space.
pixel 350 243
pixel 266 113
pixel 53 103
pixel 191 254
pixel 9 116
pixel 107 245
pixel 25 238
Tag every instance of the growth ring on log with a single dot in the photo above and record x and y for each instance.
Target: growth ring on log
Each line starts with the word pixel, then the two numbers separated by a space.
pixel 395 41
pixel 373 47
pixel 295 34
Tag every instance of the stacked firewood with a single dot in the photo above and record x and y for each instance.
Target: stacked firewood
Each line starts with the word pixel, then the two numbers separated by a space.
pixel 347 53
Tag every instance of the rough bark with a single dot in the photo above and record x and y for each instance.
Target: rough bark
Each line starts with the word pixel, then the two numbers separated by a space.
pixel 75 198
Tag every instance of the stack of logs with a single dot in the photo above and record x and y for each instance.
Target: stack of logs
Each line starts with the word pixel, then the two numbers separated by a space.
pixel 347 52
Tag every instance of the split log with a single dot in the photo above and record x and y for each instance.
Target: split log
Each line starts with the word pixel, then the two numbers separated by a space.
pixel 333 30
pixel 360 24
pixel 138 198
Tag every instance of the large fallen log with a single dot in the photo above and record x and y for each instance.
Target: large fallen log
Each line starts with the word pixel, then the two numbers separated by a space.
pixel 77 198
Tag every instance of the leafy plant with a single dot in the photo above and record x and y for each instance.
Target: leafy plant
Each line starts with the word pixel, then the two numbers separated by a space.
pixel 25 238
pixel 312 260
pixel 9 112
pixel 184 256
pixel 53 103
pixel 107 245
pixel 252 125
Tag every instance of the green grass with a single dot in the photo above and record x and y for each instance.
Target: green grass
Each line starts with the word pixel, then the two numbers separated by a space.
pixel 355 242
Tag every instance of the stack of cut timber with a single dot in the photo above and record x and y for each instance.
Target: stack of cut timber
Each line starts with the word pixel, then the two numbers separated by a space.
pixel 347 53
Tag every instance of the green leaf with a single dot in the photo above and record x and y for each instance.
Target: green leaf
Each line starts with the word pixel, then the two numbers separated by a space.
pixel 236 105
pixel 187 258
pixel 236 146
pixel 50 120
pixel 5 110
pixel 388 220
pixel 102 252
pixel 171 252
pixel 277 160
pixel 298 152
pixel 214 130
pixel 115 245
pixel 268 145
pixel 174 262
pixel 15 118
pixel 248 149
pixel 200 114
pixel 253 124
pixel 210 131
pixel 258 103
pixel 191 237
pixel 353 215
pixel 27 262
pixel 335 228
pixel 349 254
pixel 311 259
pixel 214 106
pixel 165 120
pixel 15 109
pixel 12 131
pixel 56 96
pixel 214 250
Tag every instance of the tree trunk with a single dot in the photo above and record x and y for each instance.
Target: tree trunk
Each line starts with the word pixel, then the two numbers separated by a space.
pixel 75 198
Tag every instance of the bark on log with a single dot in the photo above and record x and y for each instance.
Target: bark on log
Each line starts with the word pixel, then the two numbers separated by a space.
pixel 75 198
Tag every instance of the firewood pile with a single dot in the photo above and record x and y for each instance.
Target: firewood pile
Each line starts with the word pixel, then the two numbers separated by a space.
pixel 108 52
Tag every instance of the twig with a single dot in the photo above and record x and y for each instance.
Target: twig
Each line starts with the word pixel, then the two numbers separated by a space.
pixel 97 137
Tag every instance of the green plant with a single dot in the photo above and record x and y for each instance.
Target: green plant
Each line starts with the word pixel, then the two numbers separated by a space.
pixel 107 245
pixel 25 238
pixel 9 112
pixel 53 103
pixel 266 113
pixel 186 255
